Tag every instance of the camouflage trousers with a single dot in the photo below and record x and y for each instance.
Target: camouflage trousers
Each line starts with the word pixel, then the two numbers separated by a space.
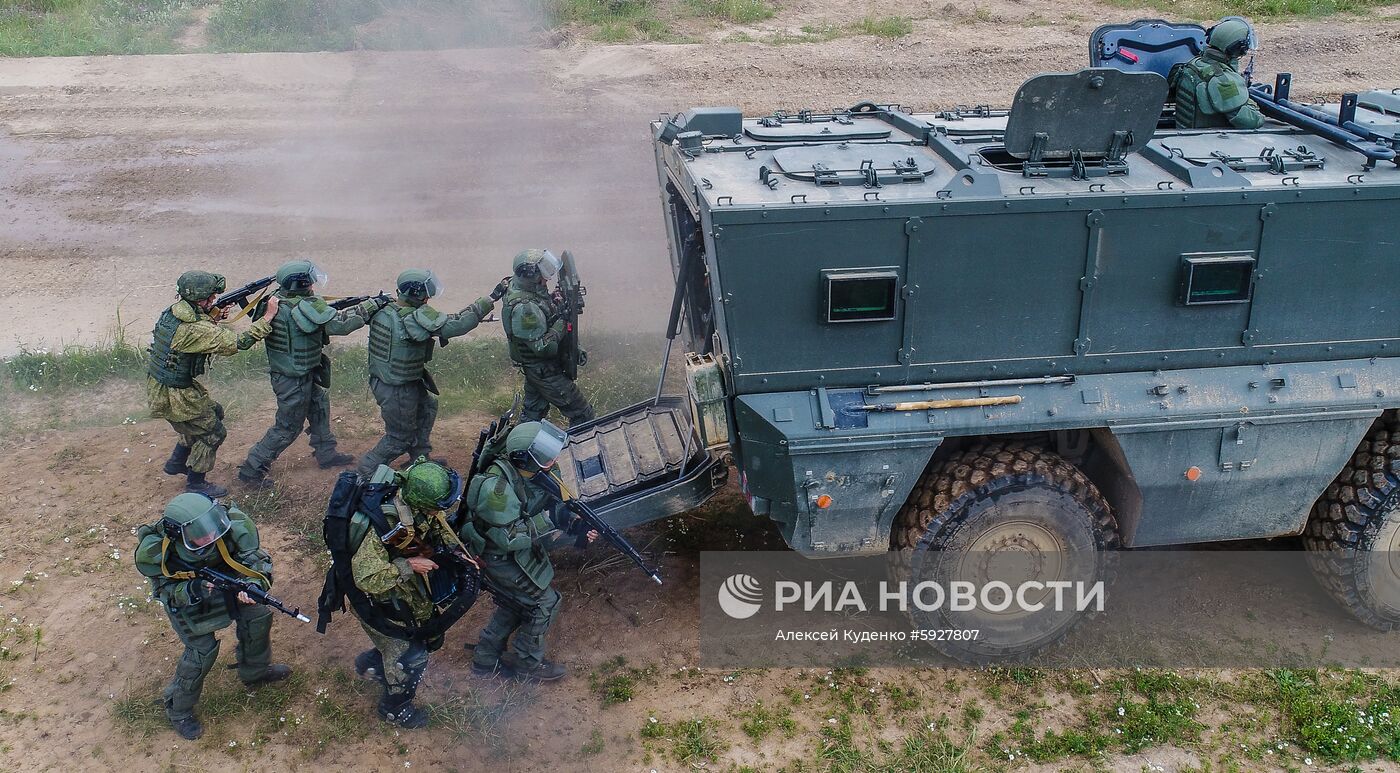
pixel 203 435
pixel 409 411
pixel 545 386
pixel 301 403
pixel 526 613
pixel 401 663
pixel 254 631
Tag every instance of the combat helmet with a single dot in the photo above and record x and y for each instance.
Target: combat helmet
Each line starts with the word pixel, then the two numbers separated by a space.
pixel 197 285
pixel 428 485
pixel 196 519
pixel 534 264
pixel 1233 36
pixel 417 285
pixel 296 277
pixel 535 443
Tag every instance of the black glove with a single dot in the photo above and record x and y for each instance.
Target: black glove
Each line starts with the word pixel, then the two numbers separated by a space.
pixel 500 289
pixel 582 358
pixel 382 299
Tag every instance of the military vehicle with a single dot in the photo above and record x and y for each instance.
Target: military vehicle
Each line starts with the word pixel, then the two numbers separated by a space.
pixel 1066 324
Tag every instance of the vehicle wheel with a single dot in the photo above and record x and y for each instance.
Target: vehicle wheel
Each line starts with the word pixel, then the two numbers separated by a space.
pixel 1353 535
pixel 998 510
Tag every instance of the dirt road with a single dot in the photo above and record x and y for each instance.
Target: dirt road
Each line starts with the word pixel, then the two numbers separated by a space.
pixel 117 173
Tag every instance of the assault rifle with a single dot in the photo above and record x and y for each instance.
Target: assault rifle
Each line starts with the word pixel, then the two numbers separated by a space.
pixel 346 303
pixel 234 586
pixel 416 546
pixel 242 294
pixel 570 294
pixel 591 520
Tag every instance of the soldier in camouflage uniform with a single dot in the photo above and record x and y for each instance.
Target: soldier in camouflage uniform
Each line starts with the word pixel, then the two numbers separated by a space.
pixel 401 587
pixel 508 516
pixel 193 533
pixel 401 340
pixel 1210 91
pixel 185 337
pixel 534 325
pixel 300 370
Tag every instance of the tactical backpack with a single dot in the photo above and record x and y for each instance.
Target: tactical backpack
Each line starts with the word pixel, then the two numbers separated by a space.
pixel 350 496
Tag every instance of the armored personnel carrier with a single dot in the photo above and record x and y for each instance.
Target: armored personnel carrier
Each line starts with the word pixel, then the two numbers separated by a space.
pixel 1063 325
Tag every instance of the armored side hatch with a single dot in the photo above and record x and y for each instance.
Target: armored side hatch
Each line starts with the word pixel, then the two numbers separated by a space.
pixel 1079 125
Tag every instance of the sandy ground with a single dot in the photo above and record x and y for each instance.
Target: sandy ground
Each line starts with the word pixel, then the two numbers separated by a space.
pixel 117 173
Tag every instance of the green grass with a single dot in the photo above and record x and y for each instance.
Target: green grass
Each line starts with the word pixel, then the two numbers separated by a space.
pixel 615 682
pixel 733 11
pixel 75 27
pixel 613 21
pixel 288 25
pixel 885 26
pixel 1255 9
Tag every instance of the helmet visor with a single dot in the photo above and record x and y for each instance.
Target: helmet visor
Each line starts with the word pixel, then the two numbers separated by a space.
pixel 454 491
pixel 318 277
pixel 549 265
pixel 548 442
pixel 201 532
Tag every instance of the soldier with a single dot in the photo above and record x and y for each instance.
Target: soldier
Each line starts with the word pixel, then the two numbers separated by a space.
pixel 409 565
pixel 401 340
pixel 195 532
pixel 534 326
pixel 508 516
pixel 300 370
pixel 185 337
pixel 1210 92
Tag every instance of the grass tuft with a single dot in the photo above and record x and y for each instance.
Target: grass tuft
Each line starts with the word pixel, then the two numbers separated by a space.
pixel 733 11
pixel 885 26
pixel 613 21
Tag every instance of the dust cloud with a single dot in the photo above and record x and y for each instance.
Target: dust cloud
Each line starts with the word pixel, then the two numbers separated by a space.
pixel 138 168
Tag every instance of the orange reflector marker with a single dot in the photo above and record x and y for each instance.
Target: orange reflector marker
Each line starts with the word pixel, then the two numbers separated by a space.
pixel 824 501
pixel 1193 473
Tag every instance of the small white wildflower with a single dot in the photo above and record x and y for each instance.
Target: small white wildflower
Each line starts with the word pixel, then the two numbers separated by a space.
pixel 1121 711
pixel 831 720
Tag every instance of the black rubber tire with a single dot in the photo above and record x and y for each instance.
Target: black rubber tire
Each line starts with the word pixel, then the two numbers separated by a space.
pixel 956 500
pixel 1353 522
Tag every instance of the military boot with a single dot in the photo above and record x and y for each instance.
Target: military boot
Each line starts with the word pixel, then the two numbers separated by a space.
pixel 195 483
pixel 175 465
pixel 543 671
pixel 337 459
pixel 188 728
pixel 370 665
pixel 255 482
pixel 274 673
pixel 399 710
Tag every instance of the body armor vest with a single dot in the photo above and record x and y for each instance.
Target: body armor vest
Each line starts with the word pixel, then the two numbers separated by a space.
pixel 1188 78
pixel 520 351
pixel 394 358
pixel 291 350
pixel 167 366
